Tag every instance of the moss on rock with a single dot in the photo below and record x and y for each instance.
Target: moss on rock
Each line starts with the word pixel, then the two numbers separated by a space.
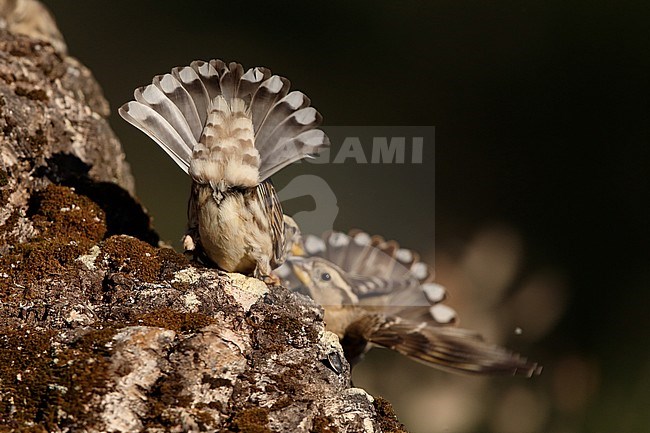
pixel 253 420
pixel 174 320
pixel 47 387
pixel 133 257
pixel 387 418
pixel 58 212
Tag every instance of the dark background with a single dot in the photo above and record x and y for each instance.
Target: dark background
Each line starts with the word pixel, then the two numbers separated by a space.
pixel 542 128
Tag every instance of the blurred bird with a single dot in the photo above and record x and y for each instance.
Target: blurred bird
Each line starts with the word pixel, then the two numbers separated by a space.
pixel 376 293
pixel 230 130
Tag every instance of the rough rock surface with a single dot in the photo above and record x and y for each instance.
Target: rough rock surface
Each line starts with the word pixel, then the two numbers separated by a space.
pixel 100 329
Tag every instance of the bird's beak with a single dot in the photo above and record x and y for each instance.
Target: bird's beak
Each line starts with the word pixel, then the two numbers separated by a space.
pixel 297 250
pixel 301 268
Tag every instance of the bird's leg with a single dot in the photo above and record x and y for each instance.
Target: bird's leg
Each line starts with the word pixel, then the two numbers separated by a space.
pixel 271 280
pixel 189 244
pixel 263 272
pixel 191 239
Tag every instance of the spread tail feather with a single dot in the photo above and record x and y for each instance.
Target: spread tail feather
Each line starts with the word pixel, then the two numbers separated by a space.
pixel 174 111
pixel 159 130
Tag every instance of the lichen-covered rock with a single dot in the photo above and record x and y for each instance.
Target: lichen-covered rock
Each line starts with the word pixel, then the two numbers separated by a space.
pixel 54 130
pixel 103 330
pixel 184 355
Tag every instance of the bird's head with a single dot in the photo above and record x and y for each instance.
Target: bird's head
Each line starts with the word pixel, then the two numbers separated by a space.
pixel 324 282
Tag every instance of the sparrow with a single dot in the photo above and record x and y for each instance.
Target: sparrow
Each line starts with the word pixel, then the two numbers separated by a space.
pixel 230 130
pixel 375 293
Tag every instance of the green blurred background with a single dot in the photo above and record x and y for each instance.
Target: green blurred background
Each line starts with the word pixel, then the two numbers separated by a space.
pixel 540 166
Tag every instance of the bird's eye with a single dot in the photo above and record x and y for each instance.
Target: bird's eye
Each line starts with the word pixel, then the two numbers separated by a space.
pixel 325 276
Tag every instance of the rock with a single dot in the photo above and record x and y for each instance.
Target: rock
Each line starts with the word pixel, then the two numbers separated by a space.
pixel 103 330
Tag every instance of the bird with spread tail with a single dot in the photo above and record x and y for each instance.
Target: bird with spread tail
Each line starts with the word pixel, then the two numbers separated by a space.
pixel 375 293
pixel 230 130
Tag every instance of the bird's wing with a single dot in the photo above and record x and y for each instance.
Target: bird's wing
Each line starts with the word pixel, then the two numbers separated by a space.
pixel 270 201
pixel 384 276
pixel 447 348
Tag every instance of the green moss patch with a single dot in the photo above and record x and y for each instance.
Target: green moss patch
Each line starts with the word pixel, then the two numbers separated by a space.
pixel 36 260
pixel 68 225
pixel 174 320
pixel 10 223
pixel 25 375
pixel 27 265
pixel 133 257
pixel 50 388
pixel 253 420
pixel 58 212
pixel 171 262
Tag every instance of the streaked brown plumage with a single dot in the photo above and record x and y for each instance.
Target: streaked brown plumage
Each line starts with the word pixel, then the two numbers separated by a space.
pixel 230 131
pixel 375 293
